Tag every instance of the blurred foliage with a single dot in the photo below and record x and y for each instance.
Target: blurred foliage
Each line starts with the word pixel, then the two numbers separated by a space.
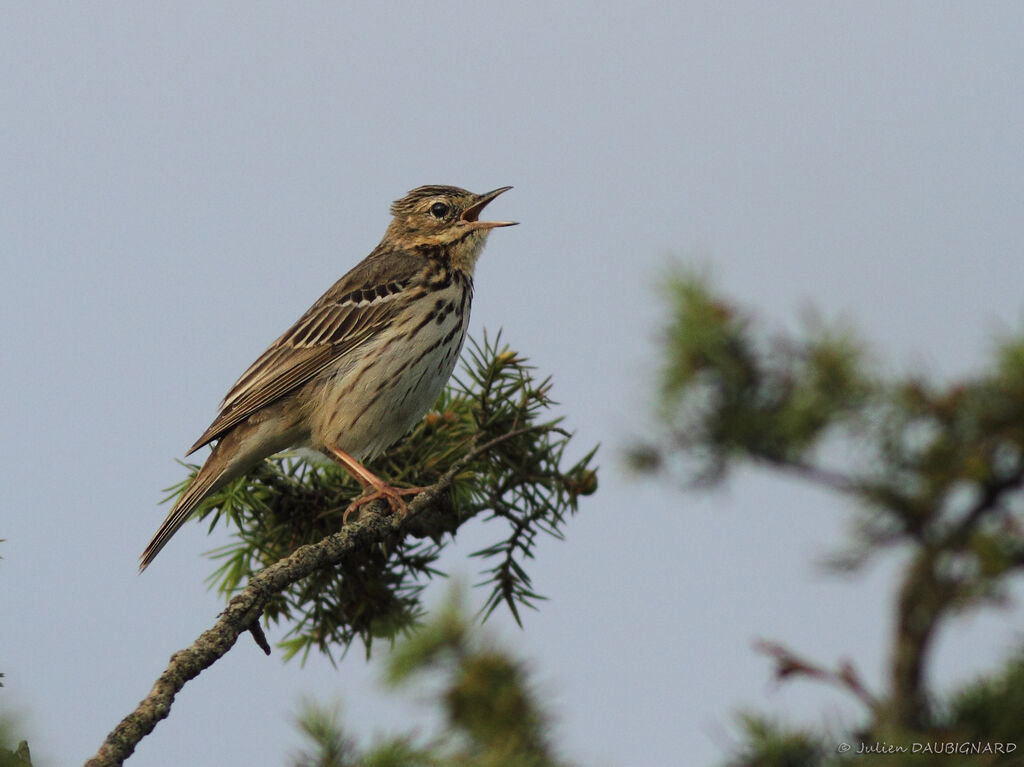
pixel 12 755
pixel 768 744
pixel 1 673
pixel 491 715
pixel 16 756
pixel 979 725
pixel 934 468
pixel 519 482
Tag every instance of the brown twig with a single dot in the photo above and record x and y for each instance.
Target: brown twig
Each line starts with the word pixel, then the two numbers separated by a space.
pixel 788 664
pixel 259 637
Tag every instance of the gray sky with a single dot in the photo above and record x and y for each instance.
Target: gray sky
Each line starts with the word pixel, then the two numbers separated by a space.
pixel 177 184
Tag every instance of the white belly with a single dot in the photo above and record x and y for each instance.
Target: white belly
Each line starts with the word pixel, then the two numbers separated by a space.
pixel 388 386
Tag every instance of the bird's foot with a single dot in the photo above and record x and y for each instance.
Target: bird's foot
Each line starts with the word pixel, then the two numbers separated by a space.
pixel 393 495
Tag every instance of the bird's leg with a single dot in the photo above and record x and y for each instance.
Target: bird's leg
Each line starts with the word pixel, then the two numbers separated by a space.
pixel 367 479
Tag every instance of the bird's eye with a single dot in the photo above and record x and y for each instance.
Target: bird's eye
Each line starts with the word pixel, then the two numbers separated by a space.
pixel 439 210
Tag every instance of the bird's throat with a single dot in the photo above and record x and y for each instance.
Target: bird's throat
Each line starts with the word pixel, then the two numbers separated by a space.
pixel 458 255
pixel 466 251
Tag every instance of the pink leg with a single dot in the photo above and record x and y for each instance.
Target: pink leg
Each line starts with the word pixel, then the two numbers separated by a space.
pixel 368 480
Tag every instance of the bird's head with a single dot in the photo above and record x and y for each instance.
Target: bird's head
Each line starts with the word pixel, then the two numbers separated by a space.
pixel 444 217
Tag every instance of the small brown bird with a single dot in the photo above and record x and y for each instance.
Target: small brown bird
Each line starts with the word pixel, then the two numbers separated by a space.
pixel 364 363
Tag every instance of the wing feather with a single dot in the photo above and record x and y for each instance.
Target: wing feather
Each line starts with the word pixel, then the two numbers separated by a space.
pixel 359 306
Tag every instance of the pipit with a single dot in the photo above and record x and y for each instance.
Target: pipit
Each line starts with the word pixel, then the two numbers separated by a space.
pixel 363 365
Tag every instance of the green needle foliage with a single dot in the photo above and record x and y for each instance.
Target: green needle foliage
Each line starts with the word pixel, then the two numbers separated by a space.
pixel 935 469
pixel 519 481
pixel 491 715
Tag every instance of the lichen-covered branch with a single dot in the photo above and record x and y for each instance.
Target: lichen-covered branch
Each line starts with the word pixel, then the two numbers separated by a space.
pixel 376 526
pixel 245 609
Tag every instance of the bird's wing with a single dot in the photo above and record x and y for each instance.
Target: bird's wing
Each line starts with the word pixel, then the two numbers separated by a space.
pixel 360 305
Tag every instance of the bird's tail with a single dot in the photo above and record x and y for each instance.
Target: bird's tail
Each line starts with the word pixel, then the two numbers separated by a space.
pixel 210 478
pixel 235 453
pixel 232 456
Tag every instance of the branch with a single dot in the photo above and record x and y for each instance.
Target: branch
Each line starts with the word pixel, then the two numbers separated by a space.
pixel 923 601
pixel 246 608
pixel 991 493
pixel 818 475
pixel 788 664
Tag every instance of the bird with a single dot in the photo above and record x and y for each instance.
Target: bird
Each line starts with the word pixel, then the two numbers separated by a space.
pixel 365 362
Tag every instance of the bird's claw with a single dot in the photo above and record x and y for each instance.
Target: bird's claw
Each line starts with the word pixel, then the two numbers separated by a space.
pixel 393 495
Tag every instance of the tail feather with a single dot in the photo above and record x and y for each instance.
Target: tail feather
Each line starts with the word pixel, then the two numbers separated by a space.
pixel 208 479
pixel 236 452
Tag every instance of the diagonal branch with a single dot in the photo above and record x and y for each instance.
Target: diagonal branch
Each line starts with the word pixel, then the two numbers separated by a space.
pixel 788 664
pixel 244 611
pixel 988 499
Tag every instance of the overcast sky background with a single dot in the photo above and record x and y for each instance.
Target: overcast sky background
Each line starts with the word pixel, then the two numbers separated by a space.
pixel 178 182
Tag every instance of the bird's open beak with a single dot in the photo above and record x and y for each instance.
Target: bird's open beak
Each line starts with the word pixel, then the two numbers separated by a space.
pixel 472 214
